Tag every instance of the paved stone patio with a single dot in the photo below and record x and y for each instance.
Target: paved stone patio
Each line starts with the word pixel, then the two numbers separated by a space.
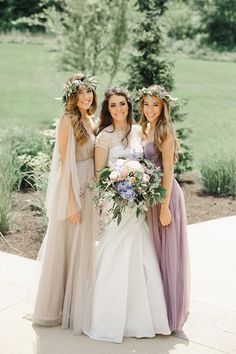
pixel 211 327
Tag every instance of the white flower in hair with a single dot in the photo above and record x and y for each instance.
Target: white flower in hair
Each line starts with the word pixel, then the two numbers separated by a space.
pixel 70 88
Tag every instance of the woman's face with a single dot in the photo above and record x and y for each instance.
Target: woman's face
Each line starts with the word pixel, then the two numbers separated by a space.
pixel 118 108
pixel 85 98
pixel 152 108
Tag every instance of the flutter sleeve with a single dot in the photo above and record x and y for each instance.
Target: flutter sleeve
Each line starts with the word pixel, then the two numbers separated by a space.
pixel 103 140
pixel 63 193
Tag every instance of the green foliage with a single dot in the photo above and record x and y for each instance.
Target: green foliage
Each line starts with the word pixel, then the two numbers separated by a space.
pixel 185 157
pixel 197 48
pixel 218 19
pixel 13 10
pixel 40 165
pixel 219 175
pixel 28 149
pixel 89 35
pixel 181 19
pixel 24 163
pixel 146 5
pixel 148 65
pixel 93 35
pixel 7 182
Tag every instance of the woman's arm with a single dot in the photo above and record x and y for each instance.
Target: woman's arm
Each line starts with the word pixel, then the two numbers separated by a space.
pixel 101 157
pixel 168 147
pixel 63 136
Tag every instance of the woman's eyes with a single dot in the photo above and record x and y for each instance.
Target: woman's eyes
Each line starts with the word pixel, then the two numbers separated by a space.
pixel 87 91
pixel 113 105
pixel 154 105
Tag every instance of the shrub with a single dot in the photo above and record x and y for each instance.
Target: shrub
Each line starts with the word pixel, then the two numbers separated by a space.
pixel 181 20
pixel 218 21
pixel 24 146
pixel 24 163
pixel 7 181
pixel 219 175
pixel 40 167
pixel 5 209
pixel 148 64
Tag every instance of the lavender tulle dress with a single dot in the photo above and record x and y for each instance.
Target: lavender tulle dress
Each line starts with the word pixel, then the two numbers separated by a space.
pixel 171 247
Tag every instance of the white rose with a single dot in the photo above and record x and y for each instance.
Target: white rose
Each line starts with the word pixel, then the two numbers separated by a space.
pixel 146 178
pixel 134 166
pixel 114 175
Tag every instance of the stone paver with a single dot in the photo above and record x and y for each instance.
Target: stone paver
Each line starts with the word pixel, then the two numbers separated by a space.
pixel 211 327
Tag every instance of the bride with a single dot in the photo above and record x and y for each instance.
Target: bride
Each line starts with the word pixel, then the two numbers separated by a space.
pixel 128 298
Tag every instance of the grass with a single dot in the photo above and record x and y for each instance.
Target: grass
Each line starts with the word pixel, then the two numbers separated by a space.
pixel 8 175
pixel 210 90
pixel 29 84
pixel 30 81
pixel 219 175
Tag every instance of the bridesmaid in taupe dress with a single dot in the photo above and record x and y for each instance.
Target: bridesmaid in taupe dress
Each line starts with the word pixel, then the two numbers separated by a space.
pixel 67 248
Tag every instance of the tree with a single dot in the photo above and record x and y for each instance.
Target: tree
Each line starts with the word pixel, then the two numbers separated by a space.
pixel 94 35
pixel 218 20
pixel 147 5
pixel 148 65
pixel 13 10
pixel 89 35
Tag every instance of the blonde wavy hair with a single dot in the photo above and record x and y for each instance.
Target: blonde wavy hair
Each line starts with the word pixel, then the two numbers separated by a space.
pixel 71 108
pixel 163 128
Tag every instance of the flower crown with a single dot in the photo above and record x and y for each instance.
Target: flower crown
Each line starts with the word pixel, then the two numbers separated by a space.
pixel 71 87
pixel 158 91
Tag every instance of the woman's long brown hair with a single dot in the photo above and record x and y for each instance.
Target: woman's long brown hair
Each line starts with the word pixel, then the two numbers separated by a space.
pixel 105 115
pixel 163 128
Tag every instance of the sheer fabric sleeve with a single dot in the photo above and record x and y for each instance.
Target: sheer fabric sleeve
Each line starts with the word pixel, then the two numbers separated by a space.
pixel 103 140
pixel 63 193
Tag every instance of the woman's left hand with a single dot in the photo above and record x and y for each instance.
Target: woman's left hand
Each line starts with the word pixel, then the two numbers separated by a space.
pixel 165 216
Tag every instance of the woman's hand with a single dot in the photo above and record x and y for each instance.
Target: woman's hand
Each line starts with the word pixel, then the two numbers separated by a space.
pixel 74 219
pixel 165 216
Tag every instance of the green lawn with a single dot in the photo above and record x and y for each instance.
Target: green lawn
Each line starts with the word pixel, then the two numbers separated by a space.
pixel 30 82
pixel 210 88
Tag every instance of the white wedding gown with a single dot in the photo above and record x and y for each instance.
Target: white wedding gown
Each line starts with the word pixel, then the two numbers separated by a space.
pixel 128 298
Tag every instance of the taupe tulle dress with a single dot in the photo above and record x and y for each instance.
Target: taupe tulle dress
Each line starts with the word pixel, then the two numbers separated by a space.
pixel 66 252
pixel 171 247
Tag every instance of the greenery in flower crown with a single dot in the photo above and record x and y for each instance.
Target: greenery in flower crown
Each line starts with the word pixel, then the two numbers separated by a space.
pixel 158 91
pixel 71 87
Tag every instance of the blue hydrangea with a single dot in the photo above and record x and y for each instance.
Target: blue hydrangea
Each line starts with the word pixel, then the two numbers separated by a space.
pixel 126 190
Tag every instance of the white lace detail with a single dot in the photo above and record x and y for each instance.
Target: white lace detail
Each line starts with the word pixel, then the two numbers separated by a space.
pixel 117 146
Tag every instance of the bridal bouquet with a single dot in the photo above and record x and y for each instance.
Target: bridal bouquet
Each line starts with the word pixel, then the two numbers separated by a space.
pixel 128 183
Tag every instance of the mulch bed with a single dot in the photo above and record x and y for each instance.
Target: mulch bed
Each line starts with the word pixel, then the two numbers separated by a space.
pixel 27 231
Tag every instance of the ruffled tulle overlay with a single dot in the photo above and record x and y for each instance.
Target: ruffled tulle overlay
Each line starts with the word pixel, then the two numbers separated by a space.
pixel 67 249
pixel 128 297
pixel 171 247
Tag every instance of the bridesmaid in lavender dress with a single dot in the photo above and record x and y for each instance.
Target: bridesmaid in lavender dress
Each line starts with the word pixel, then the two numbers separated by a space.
pixel 167 221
